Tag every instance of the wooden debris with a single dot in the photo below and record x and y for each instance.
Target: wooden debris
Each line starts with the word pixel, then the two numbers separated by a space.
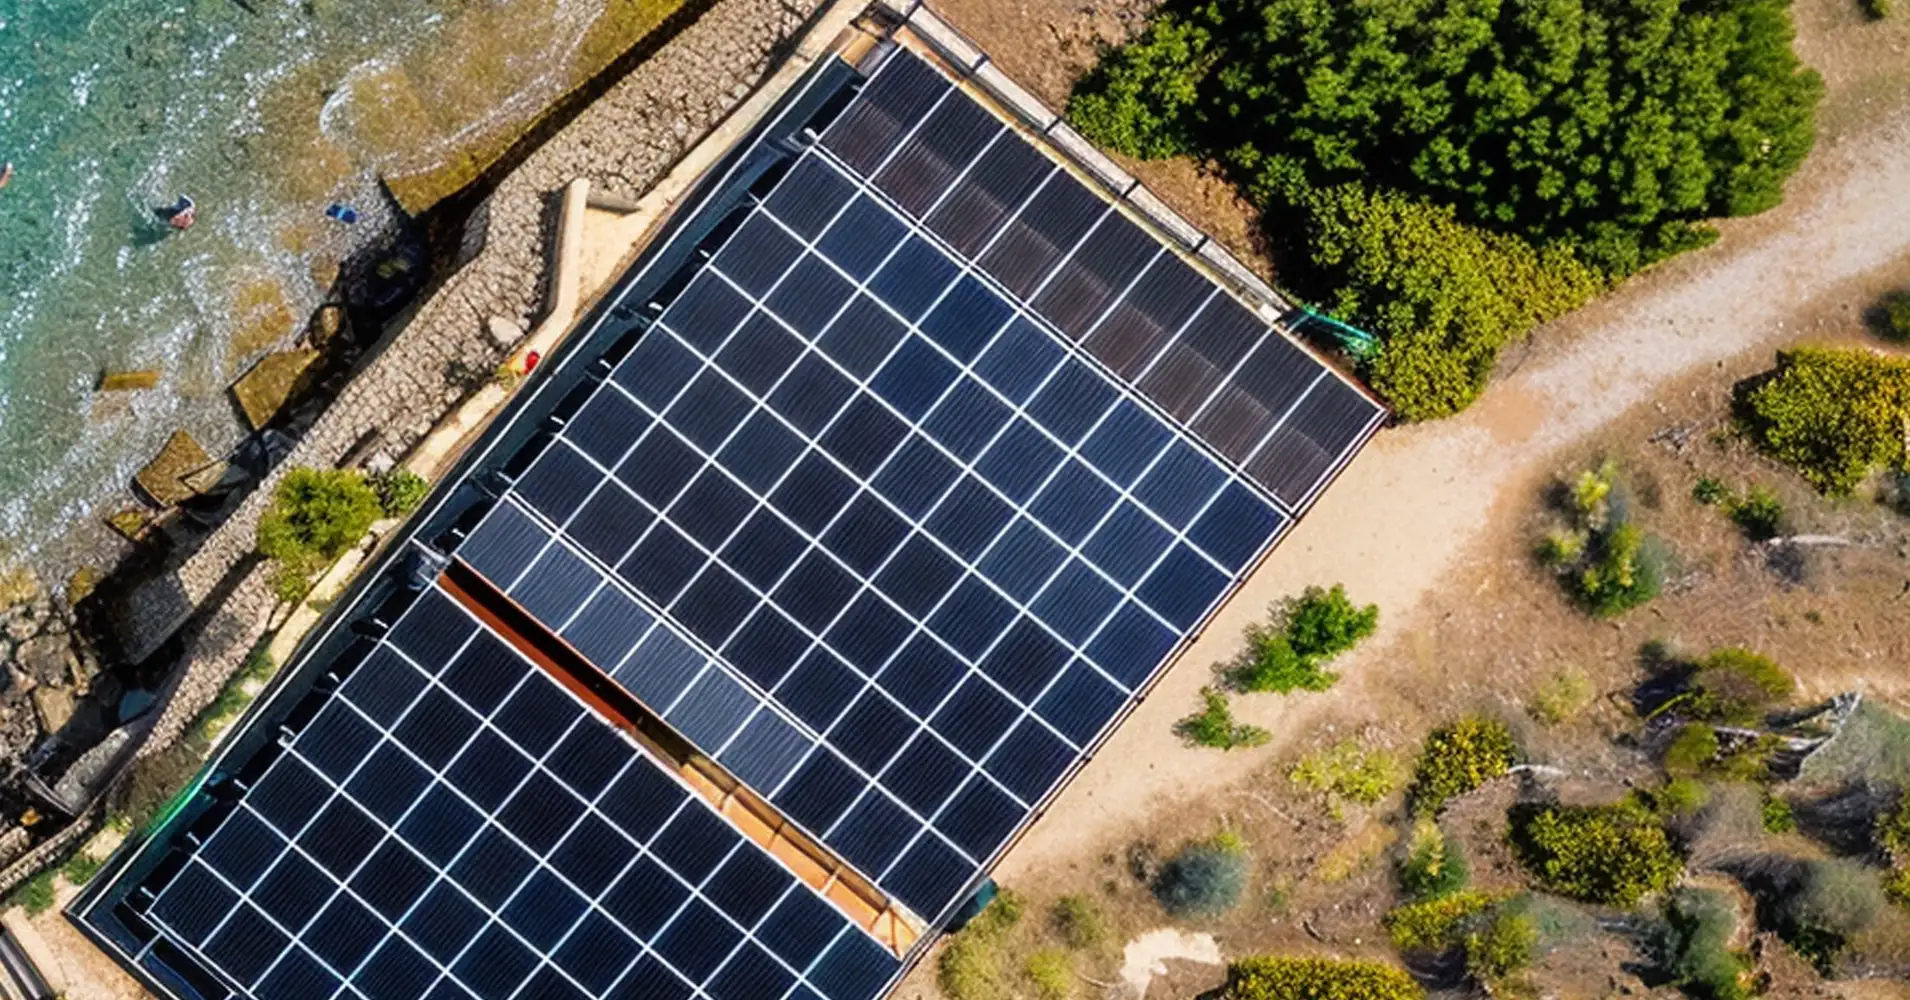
pixel 131 523
pixel 264 391
pixel 128 381
pixel 163 478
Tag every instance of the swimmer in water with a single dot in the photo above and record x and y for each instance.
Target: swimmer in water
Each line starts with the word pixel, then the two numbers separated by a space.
pixel 180 214
pixel 6 173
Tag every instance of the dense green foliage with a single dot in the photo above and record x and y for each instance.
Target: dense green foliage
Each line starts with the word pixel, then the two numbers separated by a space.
pixel 1205 879
pixel 1835 415
pixel 1501 949
pixel 1214 725
pixel 1280 978
pixel 1435 924
pixel 1459 758
pixel 1348 772
pixel 1604 560
pixel 1289 652
pixel 82 867
pixel 1896 315
pixel 1452 172
pixel 1758 513
pixel 1832 899
pixel 970 967
pixel 35 895
pixel 1736 686
pixel 1051 970
pixel 1777 815
pixel 315 515
pixel 1432 867
pixel 1691 751
pixel 1615 854
pixel 400 491
pixel 1694 951
pixel 1448 296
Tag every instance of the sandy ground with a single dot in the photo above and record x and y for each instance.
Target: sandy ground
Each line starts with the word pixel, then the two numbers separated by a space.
pixel 1412 507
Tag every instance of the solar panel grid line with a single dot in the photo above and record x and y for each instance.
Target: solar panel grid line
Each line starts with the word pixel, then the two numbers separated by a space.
pixel 541 865
pixel 1284 417
pixel 1370 427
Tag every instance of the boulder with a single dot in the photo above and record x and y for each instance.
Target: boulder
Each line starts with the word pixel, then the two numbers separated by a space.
pixel 48 660
pixel 505 333
pixel 55 706
pixel 22 627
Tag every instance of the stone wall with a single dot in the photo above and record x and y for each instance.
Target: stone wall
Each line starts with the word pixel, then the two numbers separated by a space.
pixel 623 143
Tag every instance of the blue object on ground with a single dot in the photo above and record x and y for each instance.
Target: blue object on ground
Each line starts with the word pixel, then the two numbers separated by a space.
pixel 343 213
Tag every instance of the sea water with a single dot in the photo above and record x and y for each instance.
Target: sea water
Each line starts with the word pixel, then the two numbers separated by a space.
pixel 264 112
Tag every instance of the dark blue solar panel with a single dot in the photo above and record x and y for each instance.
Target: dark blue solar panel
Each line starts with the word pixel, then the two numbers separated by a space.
pixel 810 296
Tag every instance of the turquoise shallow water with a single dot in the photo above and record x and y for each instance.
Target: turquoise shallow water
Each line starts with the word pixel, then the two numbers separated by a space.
pixel 111 107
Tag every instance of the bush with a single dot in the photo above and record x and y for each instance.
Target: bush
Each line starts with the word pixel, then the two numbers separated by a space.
pixel 315 516
pixel 1562 697
pixel 400 491
pixel 1434 924
pixel 1615 854
pixel 1710 492
pixel 1288 652
pixel 1878 10
pixel 1204 880
pixel 1896 306
pixel 36 893
pixel 1681 798
pixel 1445 297
pixel 1622 574
pixel 81 867
pixel 1432 867
pixel 1052 973
pixel 1777 815
pixel 1282 978
pixel 1078 922
pixel 1759 514
pixel 1214 725
pixel 1736 686
pixel 1694 951
pixel 1139 100
pixel 1348 772
pixel 970 967
pixel 1833 899
pixel 1505 946
pixel 1459 758
pixel 1834 415
pixel 1694 748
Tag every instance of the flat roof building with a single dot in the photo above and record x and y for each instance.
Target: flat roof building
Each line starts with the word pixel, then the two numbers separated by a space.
pixel 737 654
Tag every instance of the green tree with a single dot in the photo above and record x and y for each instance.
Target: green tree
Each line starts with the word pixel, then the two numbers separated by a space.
pixel 1615 854
pixel 1214 725
pixel 1290 651
pixel 315 515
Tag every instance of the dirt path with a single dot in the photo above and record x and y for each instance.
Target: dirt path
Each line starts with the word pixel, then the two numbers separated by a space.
pixel 1406 514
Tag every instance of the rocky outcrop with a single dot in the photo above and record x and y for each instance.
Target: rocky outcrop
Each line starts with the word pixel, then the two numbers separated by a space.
pixel 623 143
pixel 47 668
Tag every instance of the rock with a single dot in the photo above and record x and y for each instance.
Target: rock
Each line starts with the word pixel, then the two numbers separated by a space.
pixel 505 333
pixel 55 706
pixel 128 381
pixel 22 628
pixel 79 779
pixel 326 322
pixel 14 843
pixel 18 586
pixel 47 659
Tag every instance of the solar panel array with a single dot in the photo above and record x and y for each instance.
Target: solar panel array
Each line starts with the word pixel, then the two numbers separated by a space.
pixel 891 510
pixel 453 824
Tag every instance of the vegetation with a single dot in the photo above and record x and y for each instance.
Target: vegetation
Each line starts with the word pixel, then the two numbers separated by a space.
pixel 1205 879
pixel 1735 686
pixel 1896 306
pixel 1615 854
pixel 1681 798
pixel 970 967
pixel 315 516
pixel 1758 513
pixel 1079 923
pixel 1836 415
pixel 1283 978
pixel 1459 758
pixel 1432 867
pixel 1460 172
pixel 1562 697
pixel 1051 970
pixel 1289 652
pixel 35 895
pixel 1603 559
pixel 1694 950
pixel 1497 952
pixel 1776 815
pixel 1348 772
pixel 81 867
pixel 1833 899
pixel 400 491
pixel 1691 751
pixel 1214 725
pixel 1710 492
pixel 1878 10
pixel 1435 924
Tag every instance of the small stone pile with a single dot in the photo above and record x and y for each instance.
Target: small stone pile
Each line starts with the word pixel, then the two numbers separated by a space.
pixel 47 670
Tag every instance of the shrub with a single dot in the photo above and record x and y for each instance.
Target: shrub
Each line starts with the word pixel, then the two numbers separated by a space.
pixel 1138 100
pixel 36 893
pixel 1759 514
pixel 1432 867
pixel 1562 547
pixel 1834 899
pixel 1736 686
pixel 1204 880
pixel 1896 306
pixel 1445 297
pixel 1288 652
pixel 1878 10
pixel 1502 948
pixel 315 515
pixel 1078 922
pixel 1459 758
pixel 1834 415
pixel 1214 725
pixel 1777 815
pixel 1348 772
pixel 400 491
pixel 81 867
pixel 1614 854
pixel 1052 972
pixel 1710 492
pixel 1893 831
pixel 970 967
pixel 1282 978
pixel 1621 574
pixel 1434 924
pixel 1681 797
pixel 1562 697
pixel 1694 951
pixel 1695 747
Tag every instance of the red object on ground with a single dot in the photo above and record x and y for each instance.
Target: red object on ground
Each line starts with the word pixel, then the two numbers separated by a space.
pixel 530 362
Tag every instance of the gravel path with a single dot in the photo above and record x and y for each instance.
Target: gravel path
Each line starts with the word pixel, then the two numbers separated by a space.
pixel 1416 503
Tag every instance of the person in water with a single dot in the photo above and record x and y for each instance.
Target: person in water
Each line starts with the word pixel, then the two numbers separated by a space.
pixel 180 214
pixel 6 173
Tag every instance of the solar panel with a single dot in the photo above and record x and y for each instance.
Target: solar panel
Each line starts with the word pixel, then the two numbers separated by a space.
pixel 452 822
pixel 889 505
